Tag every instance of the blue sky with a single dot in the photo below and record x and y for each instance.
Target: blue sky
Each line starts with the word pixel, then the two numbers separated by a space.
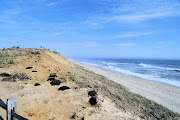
pixel 93 28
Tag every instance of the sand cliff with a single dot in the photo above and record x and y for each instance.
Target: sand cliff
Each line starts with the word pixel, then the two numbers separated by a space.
pixel 46 102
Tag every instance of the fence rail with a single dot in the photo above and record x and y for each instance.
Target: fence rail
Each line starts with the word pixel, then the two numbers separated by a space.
pixel 11 110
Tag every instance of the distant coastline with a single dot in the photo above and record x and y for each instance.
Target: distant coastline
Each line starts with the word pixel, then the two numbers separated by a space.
pixel 163 94
pixel 160 71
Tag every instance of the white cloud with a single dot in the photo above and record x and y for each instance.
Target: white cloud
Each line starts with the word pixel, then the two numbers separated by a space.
pixel 9 15
pixel 8 21
pixel 125 44
pixel 164 43
pixel 74 44
pixel 132 34
pixel 52 3
pixel 94 24
pixel 135 11
pixel 134 18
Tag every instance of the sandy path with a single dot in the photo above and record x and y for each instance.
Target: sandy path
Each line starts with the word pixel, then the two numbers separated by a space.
pixel 165 95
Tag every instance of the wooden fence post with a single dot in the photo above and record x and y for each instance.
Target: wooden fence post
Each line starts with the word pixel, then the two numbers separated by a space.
pixel 11 106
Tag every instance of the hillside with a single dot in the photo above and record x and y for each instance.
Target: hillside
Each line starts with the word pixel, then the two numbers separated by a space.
pixel 28 67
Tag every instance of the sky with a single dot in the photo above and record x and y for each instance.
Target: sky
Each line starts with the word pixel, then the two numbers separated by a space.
pixel 93 28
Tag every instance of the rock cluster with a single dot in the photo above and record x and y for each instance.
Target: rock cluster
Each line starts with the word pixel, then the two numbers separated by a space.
pixel 93 99
pixel 55 82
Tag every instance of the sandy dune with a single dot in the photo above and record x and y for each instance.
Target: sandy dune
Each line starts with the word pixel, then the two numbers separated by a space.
pixel 45 102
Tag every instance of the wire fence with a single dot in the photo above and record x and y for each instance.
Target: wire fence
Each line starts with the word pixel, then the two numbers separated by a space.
pixel 11 110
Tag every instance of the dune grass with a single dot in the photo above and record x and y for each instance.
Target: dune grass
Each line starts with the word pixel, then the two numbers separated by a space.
pixel 123 98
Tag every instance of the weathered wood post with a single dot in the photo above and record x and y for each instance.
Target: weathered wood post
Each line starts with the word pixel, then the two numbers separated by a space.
pixel 11 106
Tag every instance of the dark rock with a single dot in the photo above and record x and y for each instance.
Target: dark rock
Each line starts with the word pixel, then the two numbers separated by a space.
pixel 5 75
pixel 82 118
pixel 92 93
pixel 64 88
pixel 50 79
pixel 53 75
pixel 34 71
pixel 29 67
pixel 55 82
pixel 1 67
pixel 37 84
pixel 93 100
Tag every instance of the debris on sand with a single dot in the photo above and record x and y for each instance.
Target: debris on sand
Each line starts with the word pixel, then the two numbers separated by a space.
pixel 37 84
pixel 29 67
pixel 5 75
pixel 64 88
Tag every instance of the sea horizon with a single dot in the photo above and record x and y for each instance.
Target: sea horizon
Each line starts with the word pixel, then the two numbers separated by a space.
pixel 165 71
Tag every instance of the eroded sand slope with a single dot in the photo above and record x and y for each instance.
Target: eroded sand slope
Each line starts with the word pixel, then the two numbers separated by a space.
pixel 45 102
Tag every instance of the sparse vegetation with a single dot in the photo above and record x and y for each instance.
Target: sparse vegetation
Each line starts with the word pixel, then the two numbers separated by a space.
pixel 123 98
pixel 9 55
pixel 63 80
pixel 11 62
pixel 35 52
pixel 16 77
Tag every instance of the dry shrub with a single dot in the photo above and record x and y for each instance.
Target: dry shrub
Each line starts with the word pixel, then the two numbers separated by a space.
pixel 17 77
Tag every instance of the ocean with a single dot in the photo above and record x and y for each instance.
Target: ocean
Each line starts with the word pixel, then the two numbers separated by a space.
pixel 162 71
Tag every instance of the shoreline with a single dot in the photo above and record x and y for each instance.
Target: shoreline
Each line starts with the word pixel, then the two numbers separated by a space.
pixel 163 94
